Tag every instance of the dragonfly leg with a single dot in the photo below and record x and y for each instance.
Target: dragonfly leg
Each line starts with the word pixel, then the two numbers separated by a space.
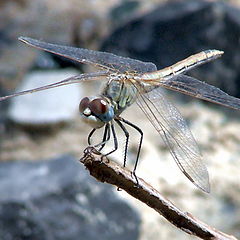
pixel 106 137
pixel 114 140
pixel 139 146
pixel 127 140
pixel 90 135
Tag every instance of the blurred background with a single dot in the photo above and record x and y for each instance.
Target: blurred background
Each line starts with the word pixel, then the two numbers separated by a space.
pixel 44 192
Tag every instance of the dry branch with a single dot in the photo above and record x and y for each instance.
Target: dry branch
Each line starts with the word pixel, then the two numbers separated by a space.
pixel 108 171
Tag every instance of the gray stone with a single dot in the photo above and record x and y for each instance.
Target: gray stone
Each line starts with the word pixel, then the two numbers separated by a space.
pixel 46 107
pixel 57 199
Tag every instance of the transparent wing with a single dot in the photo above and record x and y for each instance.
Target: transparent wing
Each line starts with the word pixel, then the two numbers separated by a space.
pixel 71 80
pixel 193 87
pixel 169 123
pixel 99 59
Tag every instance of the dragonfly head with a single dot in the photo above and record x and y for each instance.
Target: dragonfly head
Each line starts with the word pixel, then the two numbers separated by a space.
pixel 96 111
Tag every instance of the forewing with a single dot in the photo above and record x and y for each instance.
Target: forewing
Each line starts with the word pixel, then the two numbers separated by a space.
pixel 71 80
pixel 169 123
pixel 98 59
pixel 193 87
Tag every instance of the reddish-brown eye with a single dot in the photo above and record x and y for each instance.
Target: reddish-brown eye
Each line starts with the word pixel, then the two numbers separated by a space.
pixel 83 104
pixel 98 106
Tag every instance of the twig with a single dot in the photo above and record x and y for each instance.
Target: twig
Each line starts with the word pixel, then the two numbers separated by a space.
pixel 108 171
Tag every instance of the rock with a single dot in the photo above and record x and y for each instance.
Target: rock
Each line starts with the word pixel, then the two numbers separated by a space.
pixel 124 12
pixel 57 199
pixel 46 107
pixel 177 29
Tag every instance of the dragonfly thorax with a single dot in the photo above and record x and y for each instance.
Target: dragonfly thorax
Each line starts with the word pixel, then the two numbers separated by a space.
pixel 96 111
pixel 121 92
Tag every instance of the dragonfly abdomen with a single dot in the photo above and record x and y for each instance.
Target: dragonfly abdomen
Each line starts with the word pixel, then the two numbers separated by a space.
pixel 183 66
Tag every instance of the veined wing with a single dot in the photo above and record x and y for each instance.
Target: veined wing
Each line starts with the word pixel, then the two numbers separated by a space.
pixel 193 87
pixel 103 60
pixel 169 123
pixel 71 80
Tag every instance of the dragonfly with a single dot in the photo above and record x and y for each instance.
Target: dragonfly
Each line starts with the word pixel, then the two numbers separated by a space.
pixel 128 81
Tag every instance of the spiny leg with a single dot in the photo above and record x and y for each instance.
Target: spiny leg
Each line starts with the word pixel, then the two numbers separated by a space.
pixel 139 146
pixel 127 140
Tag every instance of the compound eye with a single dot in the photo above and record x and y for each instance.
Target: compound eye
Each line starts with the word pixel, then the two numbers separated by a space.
pixel 84 104
pixel 98 106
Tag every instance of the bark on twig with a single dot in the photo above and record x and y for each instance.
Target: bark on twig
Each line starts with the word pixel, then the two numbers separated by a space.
pixel 108 171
